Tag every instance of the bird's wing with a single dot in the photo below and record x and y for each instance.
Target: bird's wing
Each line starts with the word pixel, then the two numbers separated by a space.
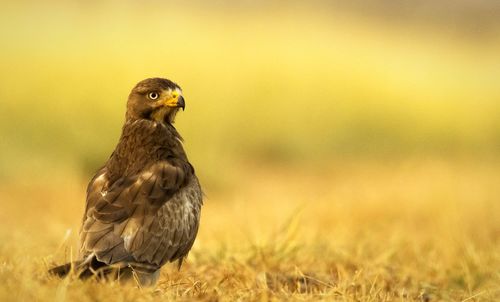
pixel 120 221
pixel 172 234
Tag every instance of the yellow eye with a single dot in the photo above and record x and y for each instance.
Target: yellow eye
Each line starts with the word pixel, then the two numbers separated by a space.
pixel 153 95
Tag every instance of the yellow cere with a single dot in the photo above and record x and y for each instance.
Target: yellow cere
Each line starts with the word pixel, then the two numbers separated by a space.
pixel 172 97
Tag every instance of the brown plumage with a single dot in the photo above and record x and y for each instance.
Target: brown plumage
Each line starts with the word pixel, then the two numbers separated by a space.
pixel 143 207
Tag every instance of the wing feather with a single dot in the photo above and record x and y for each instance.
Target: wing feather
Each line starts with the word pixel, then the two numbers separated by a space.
pixel 123 218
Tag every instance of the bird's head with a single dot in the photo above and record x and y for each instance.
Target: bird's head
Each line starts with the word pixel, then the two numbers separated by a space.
pixel 155 99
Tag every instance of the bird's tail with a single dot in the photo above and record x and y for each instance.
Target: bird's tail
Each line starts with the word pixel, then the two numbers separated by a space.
pixel 144 275
pixel 63 270
pixel 83 269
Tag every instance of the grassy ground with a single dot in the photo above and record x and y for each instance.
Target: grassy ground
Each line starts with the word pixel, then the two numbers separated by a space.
pixel 354 231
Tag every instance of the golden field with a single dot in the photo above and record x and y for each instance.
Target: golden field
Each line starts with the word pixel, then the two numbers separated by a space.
pixel 408 231
pixel 345 156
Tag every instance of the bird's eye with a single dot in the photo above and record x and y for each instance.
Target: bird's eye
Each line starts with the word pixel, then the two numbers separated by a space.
pixel 153 95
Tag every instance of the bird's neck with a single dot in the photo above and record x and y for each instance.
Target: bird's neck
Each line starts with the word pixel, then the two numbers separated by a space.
pixel 142 143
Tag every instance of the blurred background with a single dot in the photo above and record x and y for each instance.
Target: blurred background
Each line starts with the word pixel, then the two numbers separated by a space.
pixel 281 82
pixel 354 141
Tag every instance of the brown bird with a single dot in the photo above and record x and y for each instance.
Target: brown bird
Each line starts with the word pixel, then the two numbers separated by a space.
pixel 143 206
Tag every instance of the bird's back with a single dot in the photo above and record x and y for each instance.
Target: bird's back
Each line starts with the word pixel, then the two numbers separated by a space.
pixel 139 213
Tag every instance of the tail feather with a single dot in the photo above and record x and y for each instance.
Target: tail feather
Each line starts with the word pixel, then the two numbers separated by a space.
pixel 63 270
pixel 83 269
pixel 145 275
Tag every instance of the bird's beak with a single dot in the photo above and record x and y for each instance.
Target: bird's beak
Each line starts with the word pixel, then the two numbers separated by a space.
pixel 176 101
pixel 181 103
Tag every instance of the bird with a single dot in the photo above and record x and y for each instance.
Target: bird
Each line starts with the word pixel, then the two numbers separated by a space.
pixel 143 206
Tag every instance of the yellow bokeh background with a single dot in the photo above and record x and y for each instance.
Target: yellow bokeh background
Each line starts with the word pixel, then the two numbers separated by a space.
pixel 272 82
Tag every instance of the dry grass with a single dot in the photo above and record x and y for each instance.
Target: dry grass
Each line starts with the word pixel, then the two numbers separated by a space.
pixel 364 231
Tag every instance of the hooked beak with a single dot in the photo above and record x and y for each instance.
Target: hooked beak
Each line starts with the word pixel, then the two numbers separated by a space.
pixel 180 102
pixel 176 101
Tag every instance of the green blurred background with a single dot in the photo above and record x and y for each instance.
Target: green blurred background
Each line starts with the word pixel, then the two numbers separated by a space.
pixel 265 82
